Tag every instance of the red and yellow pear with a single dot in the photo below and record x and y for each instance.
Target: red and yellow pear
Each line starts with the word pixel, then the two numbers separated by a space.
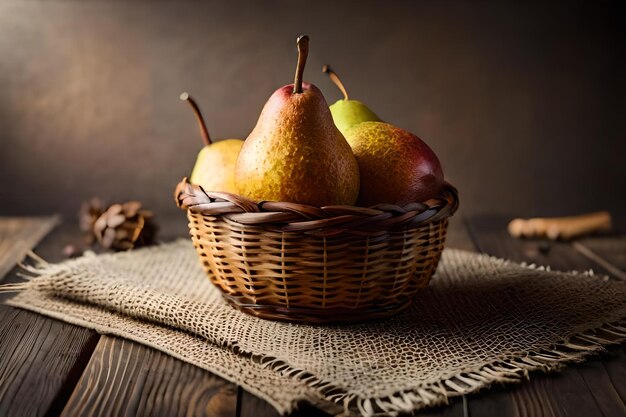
pixel 396 166
pixel 296 153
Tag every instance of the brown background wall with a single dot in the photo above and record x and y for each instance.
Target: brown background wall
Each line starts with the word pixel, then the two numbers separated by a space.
pixel 523 103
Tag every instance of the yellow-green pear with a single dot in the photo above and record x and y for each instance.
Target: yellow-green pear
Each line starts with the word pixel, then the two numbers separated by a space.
pixel 296 153
pixel 348 113
pixel 215 166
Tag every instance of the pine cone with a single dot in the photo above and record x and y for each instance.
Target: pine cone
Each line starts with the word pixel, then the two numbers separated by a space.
pixel 125 226
pixel 87 216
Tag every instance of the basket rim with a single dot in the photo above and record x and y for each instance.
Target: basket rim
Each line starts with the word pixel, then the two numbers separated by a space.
pixel 288 216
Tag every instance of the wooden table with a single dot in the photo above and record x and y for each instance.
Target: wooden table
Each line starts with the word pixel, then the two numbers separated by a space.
pixel 50 368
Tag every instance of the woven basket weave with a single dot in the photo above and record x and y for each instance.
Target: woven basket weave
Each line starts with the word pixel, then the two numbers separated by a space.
pixel 292 262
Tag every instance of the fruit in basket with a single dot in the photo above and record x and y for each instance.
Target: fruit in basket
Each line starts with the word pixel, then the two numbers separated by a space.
pixel 396 166
pixel 348 113
pixel 296 153
pixel 215 166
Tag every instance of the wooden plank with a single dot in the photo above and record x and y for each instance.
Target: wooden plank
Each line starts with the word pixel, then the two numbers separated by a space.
pixel 457 407
pixel 615 367
pixel 491 236
pixel 495 401
pixel 585 390
pixel 251 406
pixel 531 399
pixel 569 394
pixel 603 388
pixel 457 235
pixel 611 248
pixel 50 248
pixel 40 361
pixel 18 235
pixel 553 395
pixel 609 252
pixel 126 378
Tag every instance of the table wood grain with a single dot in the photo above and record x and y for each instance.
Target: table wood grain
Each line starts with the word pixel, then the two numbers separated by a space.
pixel 50 368
pixel 126 378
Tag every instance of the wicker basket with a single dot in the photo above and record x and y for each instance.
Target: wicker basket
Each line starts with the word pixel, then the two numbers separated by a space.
pixel 292 262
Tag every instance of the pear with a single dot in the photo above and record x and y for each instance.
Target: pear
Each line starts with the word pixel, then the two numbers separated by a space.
pixel 215 166
pixel 295 152
pixel 348 113
pixel 396 166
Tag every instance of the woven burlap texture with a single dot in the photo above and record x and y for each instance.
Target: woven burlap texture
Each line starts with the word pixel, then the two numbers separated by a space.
pixel 482 320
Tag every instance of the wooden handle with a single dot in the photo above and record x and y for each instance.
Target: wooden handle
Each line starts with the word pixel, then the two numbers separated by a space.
pixel 561 227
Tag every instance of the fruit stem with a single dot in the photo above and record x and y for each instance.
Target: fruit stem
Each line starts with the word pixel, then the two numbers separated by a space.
pixel 302 43
pixel 335 79
pixel 203 130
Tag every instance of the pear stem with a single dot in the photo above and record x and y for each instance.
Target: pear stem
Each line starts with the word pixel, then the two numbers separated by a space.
pixel 335 79
pixel 302 43
pixel 194 106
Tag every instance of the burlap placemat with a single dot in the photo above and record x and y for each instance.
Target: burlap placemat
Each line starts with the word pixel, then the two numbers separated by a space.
pixel 482 320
